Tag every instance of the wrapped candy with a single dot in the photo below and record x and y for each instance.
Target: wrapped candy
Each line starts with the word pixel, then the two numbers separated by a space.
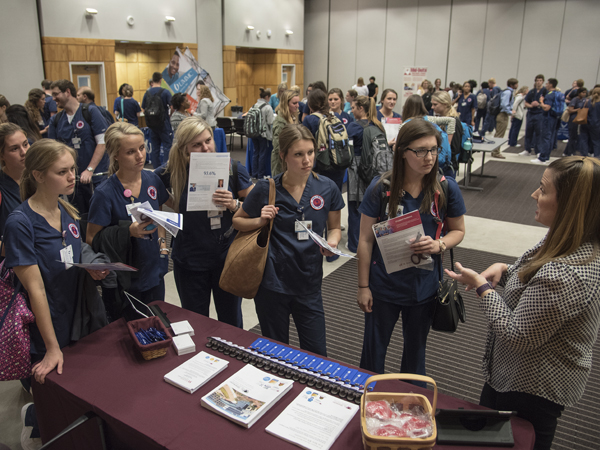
pixel 380 409
pixel 389 420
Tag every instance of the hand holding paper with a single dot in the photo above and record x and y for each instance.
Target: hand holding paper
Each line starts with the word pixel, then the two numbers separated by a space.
pixel 323 243
pixel 172 222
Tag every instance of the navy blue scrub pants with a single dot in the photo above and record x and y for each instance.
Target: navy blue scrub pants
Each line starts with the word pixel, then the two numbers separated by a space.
pixel 353 226
pixel 194 288
pixel 261 157
pixel 542 413
pixel 533 132
pixel 573 144
pixel 548 137
pixel 162 137
pixel 274 309
pixel 379 325
pixel 513 134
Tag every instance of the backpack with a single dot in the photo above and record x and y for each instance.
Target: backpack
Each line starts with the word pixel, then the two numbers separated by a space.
pixel 107 116
pixel 254 125
pixel 466 144
pixel 495 105
pixel 334 151
pixel 558 105
pixel 481 100
pixel 155 111
pixel 376 157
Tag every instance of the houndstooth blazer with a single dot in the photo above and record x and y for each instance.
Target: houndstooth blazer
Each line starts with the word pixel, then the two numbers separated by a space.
pixel 541 334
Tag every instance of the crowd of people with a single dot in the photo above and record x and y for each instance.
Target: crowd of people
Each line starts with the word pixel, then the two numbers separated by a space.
pixel 71 172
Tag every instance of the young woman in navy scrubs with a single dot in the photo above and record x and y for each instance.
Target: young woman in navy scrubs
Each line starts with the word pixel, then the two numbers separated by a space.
pixel 389 97
pixel 129 184
pixel 294 269
pixel 334 99
pixel 13 146
pixel 466 105
pixel 411 292
pixel 199 250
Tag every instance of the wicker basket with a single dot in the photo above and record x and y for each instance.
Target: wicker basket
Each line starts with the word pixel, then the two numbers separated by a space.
pixel 396 443
pixel 156 349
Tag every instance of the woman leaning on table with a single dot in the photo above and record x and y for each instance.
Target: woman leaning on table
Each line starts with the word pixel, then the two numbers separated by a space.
pixel 199 250
pixel 541 330
pixel 294 269
pixel 413 184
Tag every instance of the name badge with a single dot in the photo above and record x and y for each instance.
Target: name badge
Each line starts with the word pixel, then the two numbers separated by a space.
pixel 66 256
pixel 76 142
pixel 301 233
pixel 129 207
pixel 215 223
pixel 214 213
pixel 464 103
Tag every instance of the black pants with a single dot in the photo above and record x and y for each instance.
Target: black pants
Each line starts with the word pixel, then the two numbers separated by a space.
pixel 542 413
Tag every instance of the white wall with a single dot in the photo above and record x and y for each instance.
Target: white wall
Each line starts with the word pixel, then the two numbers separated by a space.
pixel 21 67
pixel 274 15
pixel 66 18
pixel 456 40
pixel 210 38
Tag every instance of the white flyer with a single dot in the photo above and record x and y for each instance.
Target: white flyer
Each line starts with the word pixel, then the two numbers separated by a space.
pixel 208 172
pixel 391 127
pixel 314 420
pixel 323 243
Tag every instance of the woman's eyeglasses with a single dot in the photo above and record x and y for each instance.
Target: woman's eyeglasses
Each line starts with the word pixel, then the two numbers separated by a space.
pixel 421 152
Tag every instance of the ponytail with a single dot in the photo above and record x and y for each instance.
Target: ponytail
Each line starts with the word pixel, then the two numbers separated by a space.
pixel 372 115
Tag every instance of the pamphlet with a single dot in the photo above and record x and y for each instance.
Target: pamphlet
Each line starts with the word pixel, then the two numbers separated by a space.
pixel 244 397
pixel 394 237
pixel 193 373
pixel 208 172
pixel 391 127
pixel 314 420
pixel 104 266
pixel 172 222
pixel 322 242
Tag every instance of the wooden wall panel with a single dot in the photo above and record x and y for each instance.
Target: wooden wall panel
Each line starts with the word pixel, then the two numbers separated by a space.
pixel 95 53
pixel 53 52
pixel 77 53
pixel 56 70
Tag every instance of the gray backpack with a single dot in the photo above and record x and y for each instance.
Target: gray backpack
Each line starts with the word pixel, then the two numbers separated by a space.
pixel 254 125
pixel 376 156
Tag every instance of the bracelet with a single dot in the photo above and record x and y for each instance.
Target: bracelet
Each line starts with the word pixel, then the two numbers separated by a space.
pixel 363 287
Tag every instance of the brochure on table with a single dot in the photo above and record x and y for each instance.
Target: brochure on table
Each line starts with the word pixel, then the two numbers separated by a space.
pixel 244 397
pixel 322 242
pixel 208 172
pixel 195 372
pixel 314 420
pixel 394 237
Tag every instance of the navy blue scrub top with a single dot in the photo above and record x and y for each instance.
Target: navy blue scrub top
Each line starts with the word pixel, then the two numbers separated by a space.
pixel 345 118
pixel 197 246
pixel 108 207
pixel 295 267
pixel 414 285
pixel 355 133
pixel 131 108
pixel 32 241
pixel 380 115
pixel 549 100
pixel 576 103
pixel 10 198
pixel 49 108
pixel 78 128
pixel 534 95
pixel 312 123
pixel 464 107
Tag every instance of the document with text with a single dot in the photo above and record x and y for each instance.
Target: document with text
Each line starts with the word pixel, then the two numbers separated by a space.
pixel 208 172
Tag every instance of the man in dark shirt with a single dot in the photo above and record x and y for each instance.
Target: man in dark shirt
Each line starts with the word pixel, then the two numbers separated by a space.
pixel 161 135
pixel 373 88
pixel 535 117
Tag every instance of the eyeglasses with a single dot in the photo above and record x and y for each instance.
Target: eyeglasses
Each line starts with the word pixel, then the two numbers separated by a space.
pixel 421 152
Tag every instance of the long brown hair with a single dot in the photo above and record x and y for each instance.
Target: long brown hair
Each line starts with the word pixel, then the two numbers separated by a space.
pixel 577 182
pixel 40 157
pixel 368 105
pixel 7 130
pixel 34 96
pixel 413 107
pixel 290 134
pixel 410 132
pixel 205 93
pixel 179 158
pixel 283 109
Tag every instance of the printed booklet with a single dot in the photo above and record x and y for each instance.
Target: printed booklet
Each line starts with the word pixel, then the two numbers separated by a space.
pixel 244 397
pixel 195 372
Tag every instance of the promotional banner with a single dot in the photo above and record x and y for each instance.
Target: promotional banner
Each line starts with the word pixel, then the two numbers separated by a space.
pixel 413 77
pixel 183 73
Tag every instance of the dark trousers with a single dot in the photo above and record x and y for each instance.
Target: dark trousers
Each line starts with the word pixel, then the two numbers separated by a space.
pixel 573 144
pixel 542 413
pixel 194 288
pixel 162 137
pixel 353 226
pixel 548 137
pixel 81 197
pixel 594 140
pixel 513 134
pixel 479 119
pixel 533 132
pixel 379 325
pixel 261 157
pixel 274 309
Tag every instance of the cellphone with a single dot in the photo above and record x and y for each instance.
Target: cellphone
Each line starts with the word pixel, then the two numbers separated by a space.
pixel 150 227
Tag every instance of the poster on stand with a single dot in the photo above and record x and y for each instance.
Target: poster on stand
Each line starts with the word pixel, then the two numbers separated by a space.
pixel 183 73
pixel 413 77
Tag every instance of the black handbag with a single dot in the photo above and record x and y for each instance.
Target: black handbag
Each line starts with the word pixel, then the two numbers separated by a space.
pixel 449 306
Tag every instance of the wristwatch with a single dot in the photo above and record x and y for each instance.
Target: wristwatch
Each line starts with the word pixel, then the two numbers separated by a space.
pixel 237 206
pixel 484 287
pixel 161 240
pixel 90 169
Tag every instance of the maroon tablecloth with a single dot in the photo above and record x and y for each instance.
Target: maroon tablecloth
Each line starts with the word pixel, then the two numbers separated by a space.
pixel 104 373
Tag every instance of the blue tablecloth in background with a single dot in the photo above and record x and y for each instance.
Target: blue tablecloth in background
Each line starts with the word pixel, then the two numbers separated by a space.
pixel 250 154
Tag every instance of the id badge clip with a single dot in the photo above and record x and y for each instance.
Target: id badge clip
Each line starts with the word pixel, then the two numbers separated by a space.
pixel 129 207
pixel 66 256
pixel 301 233
pixel 76 142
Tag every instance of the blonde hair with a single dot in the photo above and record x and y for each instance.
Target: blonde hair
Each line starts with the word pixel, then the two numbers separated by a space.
pixel 443 98
pixel 112 141
pixel 522 90
pixel 281 88
pixel 368 105
pixel 290 134
pixel 179 158
pixel 360 81
pixel 39 158
pixel 595 94
pixel 205 93
pixel 283 108
pixel 577 181
pixel 296 88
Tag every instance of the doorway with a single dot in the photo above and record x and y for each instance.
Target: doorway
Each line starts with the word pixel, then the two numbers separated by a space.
pixel 92 76
pixel 288 74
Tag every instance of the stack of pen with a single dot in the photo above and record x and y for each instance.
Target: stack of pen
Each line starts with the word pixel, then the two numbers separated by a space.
pixel 320 373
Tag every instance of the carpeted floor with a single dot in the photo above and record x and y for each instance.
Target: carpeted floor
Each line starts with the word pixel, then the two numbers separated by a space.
pixel 507 197
pixel 453 360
